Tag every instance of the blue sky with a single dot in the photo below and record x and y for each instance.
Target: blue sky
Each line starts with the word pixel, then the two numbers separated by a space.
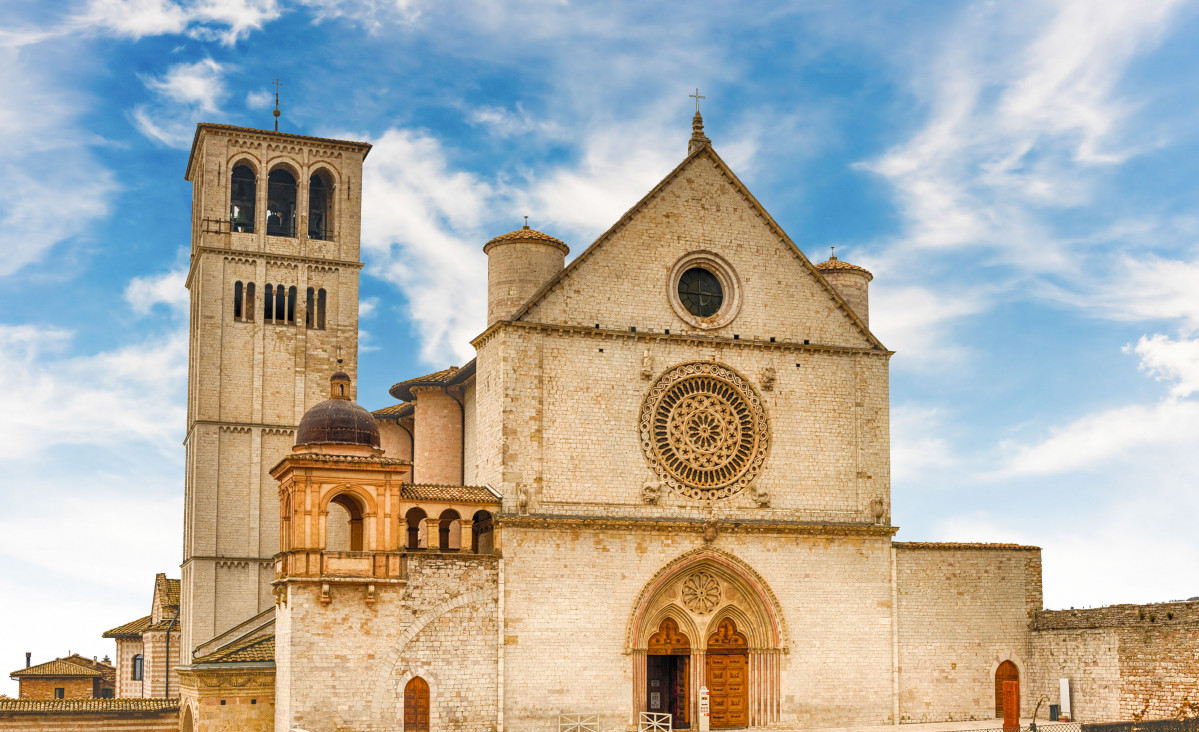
pixel 1019 176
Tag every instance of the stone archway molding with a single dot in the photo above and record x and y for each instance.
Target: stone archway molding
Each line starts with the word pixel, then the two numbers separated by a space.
pixel 394 672
pixel 747 579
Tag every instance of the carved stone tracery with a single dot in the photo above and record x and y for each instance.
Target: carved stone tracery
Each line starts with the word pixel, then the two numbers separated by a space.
pixel 701 593
pixel 704 430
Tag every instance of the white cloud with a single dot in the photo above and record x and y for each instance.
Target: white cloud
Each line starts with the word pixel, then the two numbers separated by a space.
pixel 508 122
pixel 917 323
pixel 1171 360
pixel 132 395
pixel 143 293
pixel 185 94
pixel 422 232
pixel 44 156
pixel 226 21
pixel 1147 288
pixel 368 307
pixel 918 446
pixel 260 100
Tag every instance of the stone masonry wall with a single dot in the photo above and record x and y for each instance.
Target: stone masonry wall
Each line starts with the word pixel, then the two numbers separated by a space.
pixel 343 666
pixel 43 688
pixel 127 648
pixel 962 611
pixel 1122 660
pixel 570 592
pixel 164 721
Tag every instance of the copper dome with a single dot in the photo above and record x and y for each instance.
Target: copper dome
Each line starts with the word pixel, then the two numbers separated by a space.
pixel 338 421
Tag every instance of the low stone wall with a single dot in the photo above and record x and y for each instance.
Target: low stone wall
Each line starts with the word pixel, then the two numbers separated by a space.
pixel 1149 725
pixel 89 715
pixel 1122 660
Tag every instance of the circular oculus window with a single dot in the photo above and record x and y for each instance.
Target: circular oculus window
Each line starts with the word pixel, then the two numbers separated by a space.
pixel 704 290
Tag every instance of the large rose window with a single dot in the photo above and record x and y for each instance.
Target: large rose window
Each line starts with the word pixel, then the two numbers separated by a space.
pixel 704 430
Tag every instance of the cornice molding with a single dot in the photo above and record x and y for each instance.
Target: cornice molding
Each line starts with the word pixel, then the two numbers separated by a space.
pixel 697 525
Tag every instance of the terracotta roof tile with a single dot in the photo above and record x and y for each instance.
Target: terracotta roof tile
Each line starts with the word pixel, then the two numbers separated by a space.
pixel 165 624
pixel 247 650
pixel 466 493
pixel 128 630
pixel 833 263
pixel 403 390
pixel 172 591
pixel 78 706
pixel 57 667
pixel 527 234
pixel 395 411
pixel 962 545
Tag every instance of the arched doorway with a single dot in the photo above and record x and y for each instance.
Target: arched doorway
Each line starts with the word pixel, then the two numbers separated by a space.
pixel 416 705
pixel 1007 671
pixel 722 607
pixel 727 676
pixel 667 673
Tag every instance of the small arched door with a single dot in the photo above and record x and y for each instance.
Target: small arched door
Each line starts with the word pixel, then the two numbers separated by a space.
pixel 1007 671
pixel 416 705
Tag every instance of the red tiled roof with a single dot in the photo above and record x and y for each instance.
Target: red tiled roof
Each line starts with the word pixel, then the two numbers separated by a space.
pixel 527 234
pixel 248 650
pixel 57 667
pixel 131 629
pixel 832 263
pixel 395 411
pixel 68 706
pixel 961 545
pixel 465 493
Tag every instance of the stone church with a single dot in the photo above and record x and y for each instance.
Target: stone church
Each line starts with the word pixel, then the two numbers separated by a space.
pixel 667 468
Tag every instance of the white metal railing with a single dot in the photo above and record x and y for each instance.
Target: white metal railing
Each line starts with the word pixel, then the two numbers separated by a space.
pixel 578 723
pixel 652 722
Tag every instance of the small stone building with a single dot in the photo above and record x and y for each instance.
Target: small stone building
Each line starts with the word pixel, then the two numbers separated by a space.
pixel 70 677
pixel 666 469
pixel 148 648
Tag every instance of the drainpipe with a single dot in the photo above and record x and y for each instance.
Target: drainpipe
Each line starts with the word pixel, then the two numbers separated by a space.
pixel 167 671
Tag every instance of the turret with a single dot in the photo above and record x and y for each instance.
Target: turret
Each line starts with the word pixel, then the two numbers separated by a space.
pixel 851 282
pixel 519 263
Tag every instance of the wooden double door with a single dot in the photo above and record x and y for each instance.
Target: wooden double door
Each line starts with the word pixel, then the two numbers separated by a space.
pixel 727 677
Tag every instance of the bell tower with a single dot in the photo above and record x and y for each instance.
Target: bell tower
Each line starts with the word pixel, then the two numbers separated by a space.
pixel 276 224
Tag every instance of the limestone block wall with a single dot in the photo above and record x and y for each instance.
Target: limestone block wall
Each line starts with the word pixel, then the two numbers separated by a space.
pixel 544 395
pixel 441 626
pixel 239 698
pixel 569 593
pixel 1121 660
pixel 962 610
pixel 699 209
pixel 394 439
pixel 160 665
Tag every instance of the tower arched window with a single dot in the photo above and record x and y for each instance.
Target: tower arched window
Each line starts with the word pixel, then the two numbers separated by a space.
pixel 242 193
pixel 310 308
pixel 280 303
pixel 268 304
pixel 237 300
pixel 320 206
pixel 281 203
pixel 320 309
pixel 291 305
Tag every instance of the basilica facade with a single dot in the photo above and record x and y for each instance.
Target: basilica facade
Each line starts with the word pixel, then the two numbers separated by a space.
pixel 666 470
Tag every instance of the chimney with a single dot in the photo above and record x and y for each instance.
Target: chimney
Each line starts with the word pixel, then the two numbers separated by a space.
pixel 27 656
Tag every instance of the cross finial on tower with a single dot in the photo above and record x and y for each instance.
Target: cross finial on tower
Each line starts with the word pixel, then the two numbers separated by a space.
pixel 526 222
pixel 833 255
pixel 698 138
pixel 339 355
pixel 279 84
pixel 696 96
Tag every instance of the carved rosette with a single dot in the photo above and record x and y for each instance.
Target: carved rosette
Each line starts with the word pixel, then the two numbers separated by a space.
pixel 701 593
pixel 704 431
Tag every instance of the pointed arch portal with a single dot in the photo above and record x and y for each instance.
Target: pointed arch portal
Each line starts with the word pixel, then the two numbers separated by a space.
pixel 707 619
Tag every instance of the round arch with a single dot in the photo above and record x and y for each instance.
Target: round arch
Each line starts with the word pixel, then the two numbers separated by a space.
pixel 358 493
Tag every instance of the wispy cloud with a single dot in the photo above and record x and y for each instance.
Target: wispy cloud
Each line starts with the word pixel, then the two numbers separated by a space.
pixel 183 95
pixel 226 21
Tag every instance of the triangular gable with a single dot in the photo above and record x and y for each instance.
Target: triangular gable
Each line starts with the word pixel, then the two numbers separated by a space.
pixel 704 151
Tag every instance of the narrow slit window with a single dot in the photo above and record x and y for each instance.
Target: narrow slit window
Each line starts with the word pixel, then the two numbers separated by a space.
pixel 309 305
pixel 237 302
pixel 319 198
pixel 249 311
pixel 291 305
pixel 320 309
pixel 268 305
pixel 280 303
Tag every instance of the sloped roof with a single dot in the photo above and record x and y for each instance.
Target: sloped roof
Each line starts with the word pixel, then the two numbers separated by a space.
pixel 962 545
pixel 57 667
pixel 170 589
pixel 832 264
pixel 132 629
pixel 395 411
pixel 165 624
pixel 33 706
pixel 703 150
pixel 466 493
pixel 91 663
pixel 527 234
pixel 247 650
pixel 403 389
